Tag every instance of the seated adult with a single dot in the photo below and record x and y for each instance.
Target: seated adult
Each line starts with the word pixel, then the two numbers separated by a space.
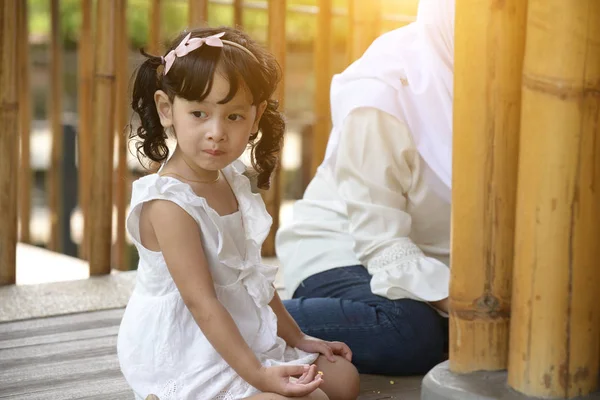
pixel 366 255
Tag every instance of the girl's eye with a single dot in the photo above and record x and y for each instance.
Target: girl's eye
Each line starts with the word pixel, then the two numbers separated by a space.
pixel 199 114
pixel 235 117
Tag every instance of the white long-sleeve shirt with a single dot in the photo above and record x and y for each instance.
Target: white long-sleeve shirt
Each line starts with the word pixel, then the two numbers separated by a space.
pixel 377 207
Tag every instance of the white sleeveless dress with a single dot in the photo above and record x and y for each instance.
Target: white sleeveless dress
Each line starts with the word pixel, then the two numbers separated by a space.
pixel 161 348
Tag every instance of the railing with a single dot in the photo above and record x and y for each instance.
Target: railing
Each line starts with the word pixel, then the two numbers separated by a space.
pixel 103 72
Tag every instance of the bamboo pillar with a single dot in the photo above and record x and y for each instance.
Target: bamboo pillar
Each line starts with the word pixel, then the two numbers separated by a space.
pixel 555 329
pixel 322 68
pixel 364 26
pixel 487 89
pixel 122 175
pixel 24 202
pixel 102 150
pixel 238 13
pixel 197 13
pixel 85 62
pixel 55 173
pixel 277 45
pixel 9 145
pixel 154 46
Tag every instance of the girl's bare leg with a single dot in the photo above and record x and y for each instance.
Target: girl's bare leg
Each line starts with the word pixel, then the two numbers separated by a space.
pixel 316 395
pixel 341 380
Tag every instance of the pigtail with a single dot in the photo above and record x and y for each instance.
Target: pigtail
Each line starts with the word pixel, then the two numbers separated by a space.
pixel 150 132
pixel 265 152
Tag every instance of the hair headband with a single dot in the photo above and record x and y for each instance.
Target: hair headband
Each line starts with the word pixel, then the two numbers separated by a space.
pixel 189 44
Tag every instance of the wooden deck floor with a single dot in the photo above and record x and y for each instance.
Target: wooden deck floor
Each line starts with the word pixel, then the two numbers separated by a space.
pixel 74 357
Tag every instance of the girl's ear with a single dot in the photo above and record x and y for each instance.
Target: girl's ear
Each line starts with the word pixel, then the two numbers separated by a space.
pixel 260 110
pixel 164 108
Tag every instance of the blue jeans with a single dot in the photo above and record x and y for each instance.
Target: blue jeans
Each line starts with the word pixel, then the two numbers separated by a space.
pixel 387 337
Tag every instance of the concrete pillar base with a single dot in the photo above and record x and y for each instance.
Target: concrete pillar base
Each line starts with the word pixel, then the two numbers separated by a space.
pixel 441 384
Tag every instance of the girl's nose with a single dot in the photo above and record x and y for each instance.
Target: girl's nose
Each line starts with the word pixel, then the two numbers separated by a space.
pixel 216 132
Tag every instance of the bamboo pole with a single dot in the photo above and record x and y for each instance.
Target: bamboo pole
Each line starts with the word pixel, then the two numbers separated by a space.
pixel 487 89
pixel 24 123
pixel 9 145
pixel 238 13
pixel 322 67
pixel 364 26
pixel 277 45
pixel 122 176
pixel 85 61
pixel 154 46
pixel 197 13
pixel 102 150
pixel 555 329
pixel 54 177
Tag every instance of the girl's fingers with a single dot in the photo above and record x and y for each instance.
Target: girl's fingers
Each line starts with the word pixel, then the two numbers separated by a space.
pixel 310 375
pixel 303 389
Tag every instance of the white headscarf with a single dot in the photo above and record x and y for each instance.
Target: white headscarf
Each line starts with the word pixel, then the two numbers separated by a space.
pixel 407 73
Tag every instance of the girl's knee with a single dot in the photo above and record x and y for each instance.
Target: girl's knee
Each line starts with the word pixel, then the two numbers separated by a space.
pixel 341 378
pixel 316 395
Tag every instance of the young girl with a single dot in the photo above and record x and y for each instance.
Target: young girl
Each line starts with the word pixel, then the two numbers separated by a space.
pixel 204 320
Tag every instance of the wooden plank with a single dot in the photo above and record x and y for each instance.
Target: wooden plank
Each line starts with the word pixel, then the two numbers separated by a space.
pixel 102 152
pixel 54 371
pixel 197 13
pixel 489 48
pixel 9 144
pixel 277 45
pixel 63 320
pixel 555 329
pixel 238 14
pixel 122 177
pixel 154 45
pixel 24 123
pixel 364 26
pixel 322 67
pixel 46 331
pixel 55 171
pixel 46 353
pixel 85 53
pixel 108 386
pixel 59 337
pixel 68 381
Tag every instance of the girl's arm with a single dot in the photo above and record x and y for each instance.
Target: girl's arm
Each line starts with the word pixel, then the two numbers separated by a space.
pixel 287 328
pixel 178 237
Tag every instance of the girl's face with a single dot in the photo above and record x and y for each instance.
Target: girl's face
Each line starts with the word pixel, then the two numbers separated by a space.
pixel 211 135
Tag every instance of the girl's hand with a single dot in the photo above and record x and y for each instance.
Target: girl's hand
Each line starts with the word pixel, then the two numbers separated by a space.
pixel 281 380
pixel 328 349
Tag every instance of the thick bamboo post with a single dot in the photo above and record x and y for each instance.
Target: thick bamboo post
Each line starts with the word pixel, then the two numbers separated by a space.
pixel 277 45
pixel 24 123
pixel 54 177
pixel 85 62
pixel 238 13
pixel 102 150
pixel 364 26
pixel 555 327
pixel 122 175
pixel 197 12
pixel 9 144
pixel 154 46
pixel 322 67
pixel 489 49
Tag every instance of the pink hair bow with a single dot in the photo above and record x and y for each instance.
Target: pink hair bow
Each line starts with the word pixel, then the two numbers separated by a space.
pixel 187 45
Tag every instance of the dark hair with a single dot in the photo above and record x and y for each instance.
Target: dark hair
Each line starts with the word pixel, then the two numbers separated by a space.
pixel 191 78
